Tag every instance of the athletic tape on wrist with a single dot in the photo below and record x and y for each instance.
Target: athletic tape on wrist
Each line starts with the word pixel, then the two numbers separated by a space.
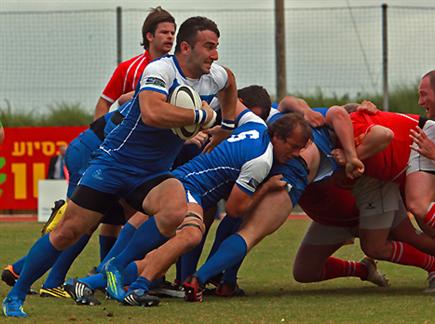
pixel 228 124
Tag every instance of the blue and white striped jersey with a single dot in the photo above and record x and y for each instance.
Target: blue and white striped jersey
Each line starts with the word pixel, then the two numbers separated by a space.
pixel 137 146
pixel 244 159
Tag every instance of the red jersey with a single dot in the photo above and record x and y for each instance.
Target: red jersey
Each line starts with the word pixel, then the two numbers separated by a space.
pixel 389 164
pixel 330 205
pixel 125 77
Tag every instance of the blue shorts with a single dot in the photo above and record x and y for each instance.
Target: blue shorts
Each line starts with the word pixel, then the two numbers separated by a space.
pixel 107 176
pixel 295 173
pixel 77 157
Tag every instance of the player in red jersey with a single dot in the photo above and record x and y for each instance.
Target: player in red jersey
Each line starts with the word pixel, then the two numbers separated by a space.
pixel 158 34
pixel 384 229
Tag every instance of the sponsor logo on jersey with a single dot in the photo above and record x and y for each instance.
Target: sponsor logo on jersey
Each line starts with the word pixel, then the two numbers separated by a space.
pixel 370 206
pixel 154 81
pixel 253 183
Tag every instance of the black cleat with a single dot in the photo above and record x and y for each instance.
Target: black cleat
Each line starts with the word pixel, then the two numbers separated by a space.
pixel 9 276
pixel 80 292
pixel 168 289
pixel 139 297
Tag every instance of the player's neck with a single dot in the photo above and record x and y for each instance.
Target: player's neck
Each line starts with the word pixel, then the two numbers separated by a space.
pixel 187 69
pixel 154 53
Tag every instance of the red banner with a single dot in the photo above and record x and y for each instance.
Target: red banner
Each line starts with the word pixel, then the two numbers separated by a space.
pixel 24 159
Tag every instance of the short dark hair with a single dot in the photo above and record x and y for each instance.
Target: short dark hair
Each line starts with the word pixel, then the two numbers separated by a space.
pixel 284 127
pixel 431 75
pixel 256 96
pixel 156 16
pixel 190 27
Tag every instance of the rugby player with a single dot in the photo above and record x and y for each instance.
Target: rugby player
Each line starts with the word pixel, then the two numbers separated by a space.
pixel 138 154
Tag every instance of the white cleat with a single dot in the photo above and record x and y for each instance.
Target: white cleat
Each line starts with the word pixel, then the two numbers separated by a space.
pixel 374 276
pixel 431 281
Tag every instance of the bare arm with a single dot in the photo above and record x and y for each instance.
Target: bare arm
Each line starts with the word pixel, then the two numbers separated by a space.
pixel 158 113
pixel 338 118
pixel 125 97
pixel 376 140
pixel 294 104
pixel 228 101
pixel 102 108
pixel 240 203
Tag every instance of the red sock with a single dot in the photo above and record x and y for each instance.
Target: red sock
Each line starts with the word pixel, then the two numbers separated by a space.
pixel 429 219
pixel 335 268
pixel 407 254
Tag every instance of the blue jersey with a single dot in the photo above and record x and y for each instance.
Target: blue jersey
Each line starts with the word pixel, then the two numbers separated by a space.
pixel 135 146
pixel 243 159
pixel 81 149
pixel 295 171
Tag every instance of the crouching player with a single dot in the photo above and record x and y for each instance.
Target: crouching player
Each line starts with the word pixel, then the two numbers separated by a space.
pixel 233 170
pixel 314 164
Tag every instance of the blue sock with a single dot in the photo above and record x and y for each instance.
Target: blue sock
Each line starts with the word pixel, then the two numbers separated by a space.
pixel 178 271
pixel 230 252
pixel 130 273
pixel 18 265
pixel 106 244
pixel 146 238
pixel 189 261
pixel 227 226
pixel 96 281
pixel 41 257
pixel 157 282
pixel 140 283
pixel 58 272
pixel 124 237
pixel 230 275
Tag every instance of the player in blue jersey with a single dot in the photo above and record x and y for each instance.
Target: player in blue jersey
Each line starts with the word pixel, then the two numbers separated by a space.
pixel 77 158
pixel 137 155
pixel 233 170
pixel 314 164
pixel 254 97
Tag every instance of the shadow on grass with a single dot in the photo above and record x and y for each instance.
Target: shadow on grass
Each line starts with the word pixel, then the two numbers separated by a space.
pixel 342 291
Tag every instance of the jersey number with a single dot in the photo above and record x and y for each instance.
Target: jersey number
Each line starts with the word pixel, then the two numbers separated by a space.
pixel 252 134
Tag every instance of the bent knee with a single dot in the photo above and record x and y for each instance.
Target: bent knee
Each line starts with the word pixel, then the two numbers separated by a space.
pixel 417 208
pixel 376 251
pixel 300 274
pixel 63 237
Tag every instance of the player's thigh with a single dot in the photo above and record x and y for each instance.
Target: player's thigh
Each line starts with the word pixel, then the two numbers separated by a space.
pixel 75 222
pixel 168 195
pixel 268 216
pixel 406 232
pixel 420 191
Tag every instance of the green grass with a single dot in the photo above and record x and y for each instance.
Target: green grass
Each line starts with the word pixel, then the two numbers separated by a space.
pixel 59 114
pixel 273 295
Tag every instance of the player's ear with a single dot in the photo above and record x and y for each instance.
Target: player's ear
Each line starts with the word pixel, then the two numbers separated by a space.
pixel 149 36
pixel 185 47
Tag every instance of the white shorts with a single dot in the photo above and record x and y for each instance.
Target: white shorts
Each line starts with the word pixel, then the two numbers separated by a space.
pixel 319 234
pixel 418 162
pixel 379 203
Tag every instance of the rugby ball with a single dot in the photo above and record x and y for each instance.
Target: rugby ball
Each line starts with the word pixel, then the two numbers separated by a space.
pixel 184 96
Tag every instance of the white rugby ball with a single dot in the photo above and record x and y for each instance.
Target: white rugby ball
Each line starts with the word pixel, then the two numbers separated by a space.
pixel 186 97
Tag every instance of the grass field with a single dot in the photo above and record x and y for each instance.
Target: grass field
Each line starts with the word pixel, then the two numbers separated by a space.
pixel 272 294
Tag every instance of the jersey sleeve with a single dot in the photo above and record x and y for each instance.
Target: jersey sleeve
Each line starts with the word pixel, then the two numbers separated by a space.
pixel 158 76
pixel 113 89
pixel 361 125
pixel 255 171
pixel 220 76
